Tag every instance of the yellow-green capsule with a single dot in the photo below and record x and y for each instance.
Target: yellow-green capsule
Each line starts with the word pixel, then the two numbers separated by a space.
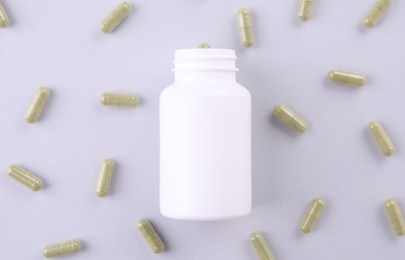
pixel 381 138
pixel 4 21
pixel 290 118
pixel 260 246
pixel 150 236
pixel 305 9
pixel 394 216
pixel 114 99
pixel 115 17
pixel 204 46
pixel 63 248
pixel 104 178
pixel 37 105
pixel 25 177
pixel 376 12
pixel 347 78
pixel 312 214
pixel 245 27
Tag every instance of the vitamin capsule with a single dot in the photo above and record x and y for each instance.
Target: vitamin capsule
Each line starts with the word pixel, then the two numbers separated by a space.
pixel 291 119
pixel 64 248
pixel 347 78
pixel 381 138
pixel 24 177
pixel 305 9
pixel 37 105
pixel 376 13
pixel 260 246
pixel 104 178
pixel 150 236
pixel 113 99
pixel 204 46
pixel 245 27
pixel 115 17
pixel 4 21
pixel 312 214
pixel 394 216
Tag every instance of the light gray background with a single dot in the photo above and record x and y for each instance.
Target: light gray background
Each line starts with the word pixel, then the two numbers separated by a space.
pixel 58 44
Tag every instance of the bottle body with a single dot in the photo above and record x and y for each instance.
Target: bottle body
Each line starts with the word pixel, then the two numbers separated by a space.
pixel 205 149
pixel 205 152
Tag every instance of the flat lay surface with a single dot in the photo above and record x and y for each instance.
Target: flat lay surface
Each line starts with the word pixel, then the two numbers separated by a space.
pixel 58 44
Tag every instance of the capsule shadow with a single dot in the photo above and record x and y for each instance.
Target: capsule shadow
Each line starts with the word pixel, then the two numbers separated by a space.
pixel 361 28
pixel 84 245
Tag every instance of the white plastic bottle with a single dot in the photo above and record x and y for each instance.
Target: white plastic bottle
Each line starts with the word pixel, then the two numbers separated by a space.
pixel 205 139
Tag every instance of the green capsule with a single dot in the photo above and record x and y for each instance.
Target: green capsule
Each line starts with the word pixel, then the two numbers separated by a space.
pixel 347 78
pixel 394 216
pixel 245 27
pixel 305 9
pixel 63 248
pixel 204 46
pixel 260 246
pixel 376 13
pixel 104 178
pixel 150 236
pixel 25 177
pixel 381 138
pixel 115 17
pixel 4 21
pixel 37 105
pixel 312 214
pixel 114 99
pixel 290 118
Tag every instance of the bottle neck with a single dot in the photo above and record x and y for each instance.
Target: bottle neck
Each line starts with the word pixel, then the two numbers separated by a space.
pixel 204 65
pixel 204 75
